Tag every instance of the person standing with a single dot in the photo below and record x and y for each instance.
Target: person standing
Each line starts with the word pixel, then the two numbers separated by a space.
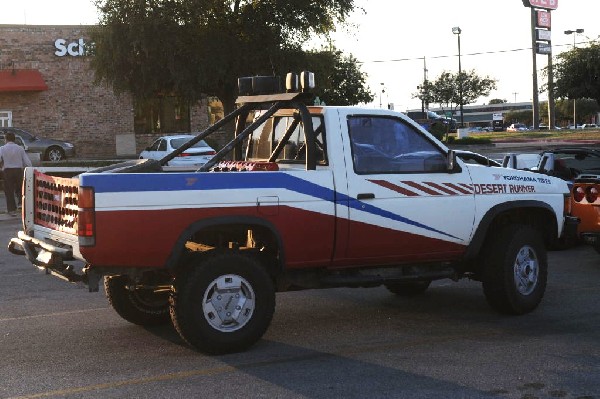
pixel 14 160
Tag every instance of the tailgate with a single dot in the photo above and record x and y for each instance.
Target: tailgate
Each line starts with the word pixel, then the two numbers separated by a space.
pixel 55 202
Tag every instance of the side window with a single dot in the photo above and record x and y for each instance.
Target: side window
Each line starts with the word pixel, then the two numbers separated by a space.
pixel 154 146
pixel 389 145
pixel 162 145
pixel 265 139
pixel 295 148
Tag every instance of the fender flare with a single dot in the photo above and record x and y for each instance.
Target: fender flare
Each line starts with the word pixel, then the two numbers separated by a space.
pixel 178 248
pixel 484 226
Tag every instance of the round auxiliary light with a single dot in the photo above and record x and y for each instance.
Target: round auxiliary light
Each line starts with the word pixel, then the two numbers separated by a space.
pixel 591 194
pixel 578 193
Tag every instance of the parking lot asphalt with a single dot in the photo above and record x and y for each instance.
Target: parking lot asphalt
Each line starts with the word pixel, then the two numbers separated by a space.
pixel 3 213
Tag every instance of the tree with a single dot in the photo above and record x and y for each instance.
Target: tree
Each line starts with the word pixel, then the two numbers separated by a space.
pixel 193 48
pixel 445 90
pixel 497 101
pixel 577 73
pixel 341 82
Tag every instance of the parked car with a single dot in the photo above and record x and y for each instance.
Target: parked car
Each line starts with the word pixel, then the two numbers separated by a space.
pixel 517 127
pixel 589 126
pixel 580 168
pixel 49 149
pixel 195 156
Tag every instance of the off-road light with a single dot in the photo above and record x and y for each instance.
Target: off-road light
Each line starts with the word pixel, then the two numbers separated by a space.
pixel 292 82
pixel 307 81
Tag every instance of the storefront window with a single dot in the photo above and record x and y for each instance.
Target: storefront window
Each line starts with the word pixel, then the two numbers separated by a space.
pixel 164 114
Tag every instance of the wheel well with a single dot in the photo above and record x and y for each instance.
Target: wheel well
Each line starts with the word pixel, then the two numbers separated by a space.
pixel 254 239
pixel 538 216
pixel 540 219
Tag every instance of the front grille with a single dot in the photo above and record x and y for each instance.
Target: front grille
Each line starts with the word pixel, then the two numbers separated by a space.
pixel 56 202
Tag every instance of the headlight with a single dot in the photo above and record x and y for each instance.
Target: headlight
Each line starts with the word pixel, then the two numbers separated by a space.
pixel 69 145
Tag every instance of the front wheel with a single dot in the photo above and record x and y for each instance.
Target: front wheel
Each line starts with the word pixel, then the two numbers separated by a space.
pixel 223 303
pixel 515 270
pixel 141 306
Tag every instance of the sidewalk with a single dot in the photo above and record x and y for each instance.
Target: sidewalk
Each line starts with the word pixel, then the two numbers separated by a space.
pixel 3 215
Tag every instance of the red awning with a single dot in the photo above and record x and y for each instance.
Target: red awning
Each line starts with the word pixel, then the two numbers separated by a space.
pixel 21 80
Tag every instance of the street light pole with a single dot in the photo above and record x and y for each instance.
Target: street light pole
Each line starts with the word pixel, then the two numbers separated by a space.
pixel 381 94
pixel 574 33
pixel 457 31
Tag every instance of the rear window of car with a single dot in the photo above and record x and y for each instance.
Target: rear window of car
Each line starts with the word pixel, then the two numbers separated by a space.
pixel 176 143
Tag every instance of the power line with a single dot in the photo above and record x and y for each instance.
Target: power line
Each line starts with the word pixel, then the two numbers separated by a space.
pixel 454 55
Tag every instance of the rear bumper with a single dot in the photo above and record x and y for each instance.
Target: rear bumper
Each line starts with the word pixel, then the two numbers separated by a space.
pixel 51 259
pixel 592 238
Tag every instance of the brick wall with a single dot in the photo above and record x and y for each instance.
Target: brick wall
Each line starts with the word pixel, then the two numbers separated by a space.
pixel 73 108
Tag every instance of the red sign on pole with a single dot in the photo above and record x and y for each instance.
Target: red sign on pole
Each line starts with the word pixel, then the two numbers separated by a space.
pixel 543 19
pixel 546 4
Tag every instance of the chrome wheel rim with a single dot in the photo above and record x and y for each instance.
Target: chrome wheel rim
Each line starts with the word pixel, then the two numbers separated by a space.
pixel 54 155
pixel 228 303
pixel 526 270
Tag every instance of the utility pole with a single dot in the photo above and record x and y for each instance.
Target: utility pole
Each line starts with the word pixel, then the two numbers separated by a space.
pixel 536 101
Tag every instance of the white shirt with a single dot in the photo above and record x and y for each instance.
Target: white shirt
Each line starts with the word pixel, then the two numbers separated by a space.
pixel 13 156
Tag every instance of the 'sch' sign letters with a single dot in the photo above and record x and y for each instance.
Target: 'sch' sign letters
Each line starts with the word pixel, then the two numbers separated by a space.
pixel 546 4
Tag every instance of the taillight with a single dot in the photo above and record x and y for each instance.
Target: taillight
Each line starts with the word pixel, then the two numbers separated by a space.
pixel 591 194
pixel 187 154
pixel 578 193
pixel 86 217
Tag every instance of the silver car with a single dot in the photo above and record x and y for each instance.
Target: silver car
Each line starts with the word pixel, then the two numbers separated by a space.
pixel 49 149
pixel 195 156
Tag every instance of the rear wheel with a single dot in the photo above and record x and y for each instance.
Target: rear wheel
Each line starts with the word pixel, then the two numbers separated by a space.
pixel 141 306
pixel 223 303
pixel 515 270
pixel 408 288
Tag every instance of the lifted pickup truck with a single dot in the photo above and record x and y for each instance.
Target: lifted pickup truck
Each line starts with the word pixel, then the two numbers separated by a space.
pixel 303 197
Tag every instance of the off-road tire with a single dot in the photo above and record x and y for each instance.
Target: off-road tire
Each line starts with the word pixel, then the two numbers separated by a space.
pixel 515 269
pixel 143 307
pixel 222 303
pixel 408 288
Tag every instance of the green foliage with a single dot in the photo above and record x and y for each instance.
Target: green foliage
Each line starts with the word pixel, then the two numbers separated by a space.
pixel 525 117
pixel 341 82
pixel 577 73
pixel 586 108
pixel 439 130
pixel 196 48
pixel 497 101
pixel 450 89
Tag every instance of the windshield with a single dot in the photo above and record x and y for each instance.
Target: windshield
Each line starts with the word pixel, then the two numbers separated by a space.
pixel 176 143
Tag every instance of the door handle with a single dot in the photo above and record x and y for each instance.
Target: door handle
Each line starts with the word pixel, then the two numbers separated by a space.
pixel 364 196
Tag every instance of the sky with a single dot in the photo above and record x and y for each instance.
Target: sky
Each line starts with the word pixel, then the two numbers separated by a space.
pixel 398 41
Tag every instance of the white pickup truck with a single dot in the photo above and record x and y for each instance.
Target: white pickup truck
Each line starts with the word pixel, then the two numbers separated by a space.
pixel 303 197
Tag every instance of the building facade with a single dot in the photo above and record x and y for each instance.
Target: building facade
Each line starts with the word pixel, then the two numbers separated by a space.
pixel 47 87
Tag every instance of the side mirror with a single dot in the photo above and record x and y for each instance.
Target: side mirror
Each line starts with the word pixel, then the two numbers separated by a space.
pixel 451 165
